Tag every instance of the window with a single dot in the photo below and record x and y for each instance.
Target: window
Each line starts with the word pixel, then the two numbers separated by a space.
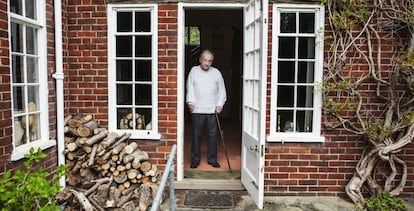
pixel 192 35
pixel 29 76
pixel 133 70
pixel 296 70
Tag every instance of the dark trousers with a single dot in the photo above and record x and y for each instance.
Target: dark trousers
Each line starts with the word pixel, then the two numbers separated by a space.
pixel 199 121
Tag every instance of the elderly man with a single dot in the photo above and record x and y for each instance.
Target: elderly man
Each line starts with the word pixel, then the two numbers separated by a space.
pixel 206 95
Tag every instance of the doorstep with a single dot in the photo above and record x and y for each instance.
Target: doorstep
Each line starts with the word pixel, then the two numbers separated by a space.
pixel 203 184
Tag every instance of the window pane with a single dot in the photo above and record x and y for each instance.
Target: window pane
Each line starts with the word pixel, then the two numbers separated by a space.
pixel 17 69
pixel 284 120
pixel 18 132
pixel 194 36
pixel 16 6
pixel 124 46
pixel 143 46
pixel 34 127
pixel 30 9
pixel 305 72
pixel 287 22
pixel 32 70
pixel 124 118
pixel 124 22
pixel 124 94
pixel 286 72
pixel 143 116
pixel 31 47
pixel 285 96
pixel 286 47
pixel 304 121
pixel 33 98
pixel 143 70
pixel 305 96
pixel 17 37
pixel 306 48
pixel 142 94
pixel 306 23
pixel 18 99
pixel 124 70
pixel 142 21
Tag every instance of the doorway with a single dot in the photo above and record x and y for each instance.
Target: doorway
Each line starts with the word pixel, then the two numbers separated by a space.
pixel 221 31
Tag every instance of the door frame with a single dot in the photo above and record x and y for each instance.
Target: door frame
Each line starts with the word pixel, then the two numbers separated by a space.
pixel 181 72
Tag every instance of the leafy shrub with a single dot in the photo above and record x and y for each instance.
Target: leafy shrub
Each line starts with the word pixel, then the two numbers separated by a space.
pixel 28 189
pixel 384 202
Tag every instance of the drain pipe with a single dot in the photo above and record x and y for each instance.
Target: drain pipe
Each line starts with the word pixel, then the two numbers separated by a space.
pixel 58 76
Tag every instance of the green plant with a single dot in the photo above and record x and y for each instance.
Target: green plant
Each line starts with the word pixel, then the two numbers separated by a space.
pixel 384 202
pixel 30 189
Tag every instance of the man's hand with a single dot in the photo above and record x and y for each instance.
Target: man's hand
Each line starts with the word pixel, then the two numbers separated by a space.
pixel 191 107
pixel 219 109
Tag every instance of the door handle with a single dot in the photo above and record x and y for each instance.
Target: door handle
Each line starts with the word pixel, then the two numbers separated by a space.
pixel 254 148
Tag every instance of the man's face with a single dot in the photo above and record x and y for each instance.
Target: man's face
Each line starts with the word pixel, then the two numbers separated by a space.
pixel 205 61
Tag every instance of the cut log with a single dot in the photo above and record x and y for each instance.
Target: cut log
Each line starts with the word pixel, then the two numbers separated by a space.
pixel 109 140
pixel 132 173
pixel 125 199
pixel 96 138
pixel 146 195
pixel 86 130
pixel 121 139
pixel 79 122
pixel 72 147
pixel 118 148
pixel 120 179
pixel 143 156
pixel 91 160
pixel 127 184
pixel 98 183
pixel 68 139
pixel 152 172
pixel 81 140
pixel 66 119
pixel 86 205
pixel 145 166
pixel 130 148
pixel 70 131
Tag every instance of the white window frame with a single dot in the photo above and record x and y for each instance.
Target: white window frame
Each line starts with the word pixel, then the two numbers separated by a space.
pixel 153 133
pixel 40 24
pixel 315 134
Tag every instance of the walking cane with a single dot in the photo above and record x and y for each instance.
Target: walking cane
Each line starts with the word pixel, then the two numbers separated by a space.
pixel 222 138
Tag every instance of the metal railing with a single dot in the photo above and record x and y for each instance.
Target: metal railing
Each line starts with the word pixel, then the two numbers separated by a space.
pixel 169 171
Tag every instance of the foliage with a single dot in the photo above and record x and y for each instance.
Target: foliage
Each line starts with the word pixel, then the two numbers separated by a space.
pixel 28 189
pixel 384 202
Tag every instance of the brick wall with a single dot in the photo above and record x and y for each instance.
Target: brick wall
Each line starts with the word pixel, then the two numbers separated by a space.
pixel 86 69
pixel 5 93
pixel 86 72
pixel 323 169
pixel 290 169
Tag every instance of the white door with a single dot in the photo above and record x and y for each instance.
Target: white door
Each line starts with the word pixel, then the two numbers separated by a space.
pixel 254 98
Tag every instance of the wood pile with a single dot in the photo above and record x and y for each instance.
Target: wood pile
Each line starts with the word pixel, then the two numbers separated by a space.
pixel 106 171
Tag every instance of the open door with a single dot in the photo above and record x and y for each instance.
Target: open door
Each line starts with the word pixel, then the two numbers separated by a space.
pixel 254 98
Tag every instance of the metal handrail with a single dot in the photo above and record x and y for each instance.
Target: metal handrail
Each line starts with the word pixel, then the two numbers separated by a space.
pixel 169 171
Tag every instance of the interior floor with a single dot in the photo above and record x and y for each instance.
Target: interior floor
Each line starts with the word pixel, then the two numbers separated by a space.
pixel 232 141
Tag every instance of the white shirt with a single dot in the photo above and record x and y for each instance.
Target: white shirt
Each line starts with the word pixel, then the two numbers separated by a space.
pixel 205 90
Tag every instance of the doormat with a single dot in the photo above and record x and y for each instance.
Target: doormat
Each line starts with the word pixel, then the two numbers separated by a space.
pixel 197 174
pixel 209 199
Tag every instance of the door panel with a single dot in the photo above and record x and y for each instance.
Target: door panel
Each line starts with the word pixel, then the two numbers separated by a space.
pixel 254 98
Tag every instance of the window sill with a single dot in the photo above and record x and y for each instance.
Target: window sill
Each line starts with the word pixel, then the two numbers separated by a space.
pixel 19 152
pixel 145 134
pixel 292 137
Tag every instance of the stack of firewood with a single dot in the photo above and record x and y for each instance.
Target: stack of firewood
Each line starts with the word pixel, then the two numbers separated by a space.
pixel 106 170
